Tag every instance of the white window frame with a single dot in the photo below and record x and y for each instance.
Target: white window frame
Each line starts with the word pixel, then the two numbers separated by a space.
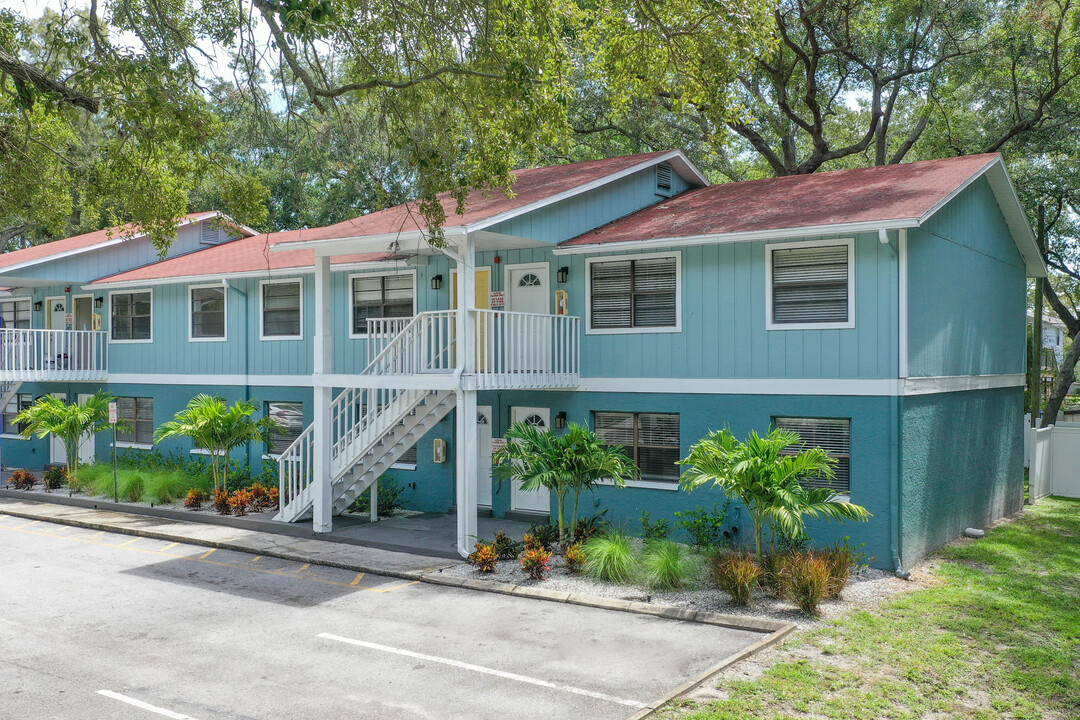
pixel 646 484
pixel 15 300
pixel 349 296
pixel 266 454
pixel 135 444
pixel 840 496
pixel 262 310
pixel 191 313
pixel 770 247
pixel 16 436
pixel 676 328
pixel 132 291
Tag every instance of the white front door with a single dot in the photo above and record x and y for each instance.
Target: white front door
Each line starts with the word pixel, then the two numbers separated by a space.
pixel 57 317
pixel 533 500
pixel 57 454
pixel 528 291
pixel 86 447
pixel 483 451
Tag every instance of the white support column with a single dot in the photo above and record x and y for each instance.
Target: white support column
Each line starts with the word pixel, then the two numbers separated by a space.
pixel 466 450
pixel 373 513
pixel 322 498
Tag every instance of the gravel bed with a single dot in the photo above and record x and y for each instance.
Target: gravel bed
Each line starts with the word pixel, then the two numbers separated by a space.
pixel 867 587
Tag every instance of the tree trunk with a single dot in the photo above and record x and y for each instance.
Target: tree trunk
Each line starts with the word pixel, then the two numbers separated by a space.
pixel 1065 378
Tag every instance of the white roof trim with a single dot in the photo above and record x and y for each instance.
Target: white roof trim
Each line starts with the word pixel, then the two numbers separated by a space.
pixel 679 162
pixel 778 234
pixel 276 272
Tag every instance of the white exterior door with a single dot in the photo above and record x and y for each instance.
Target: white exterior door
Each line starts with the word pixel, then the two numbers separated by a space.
pixel 57 454
pixel 483 460
pixel 538 501
pixel 528 291
pixel 86 447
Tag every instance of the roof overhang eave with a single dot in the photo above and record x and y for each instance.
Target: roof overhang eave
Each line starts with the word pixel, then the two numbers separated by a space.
pixel 748 236
pixel 105 284
pixel 359 244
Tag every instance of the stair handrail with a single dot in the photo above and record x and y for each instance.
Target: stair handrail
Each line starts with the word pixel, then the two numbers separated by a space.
pixel 433 331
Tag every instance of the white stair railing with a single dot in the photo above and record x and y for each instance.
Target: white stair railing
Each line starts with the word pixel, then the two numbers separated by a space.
pixel 296 466
pixel 526 349
pixel 424 345
pixel 35 354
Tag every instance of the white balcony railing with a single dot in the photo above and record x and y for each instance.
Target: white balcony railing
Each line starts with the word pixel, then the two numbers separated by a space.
pixel 41 355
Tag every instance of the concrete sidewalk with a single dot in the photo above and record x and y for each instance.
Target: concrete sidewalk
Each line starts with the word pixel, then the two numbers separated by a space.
pixel 318 552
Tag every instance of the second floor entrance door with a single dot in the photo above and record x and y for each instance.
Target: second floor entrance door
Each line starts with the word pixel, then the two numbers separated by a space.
pixel 528 291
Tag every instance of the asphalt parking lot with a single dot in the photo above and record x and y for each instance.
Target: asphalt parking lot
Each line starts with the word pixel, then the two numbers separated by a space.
pixel 102 625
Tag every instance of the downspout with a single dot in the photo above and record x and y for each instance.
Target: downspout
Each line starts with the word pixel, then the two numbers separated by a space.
pixel 897 416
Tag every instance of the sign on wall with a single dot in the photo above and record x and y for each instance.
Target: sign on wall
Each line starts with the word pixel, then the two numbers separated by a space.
pixel 497 299
pixel 497 444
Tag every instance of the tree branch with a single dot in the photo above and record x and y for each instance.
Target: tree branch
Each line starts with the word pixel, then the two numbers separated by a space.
pixel 22 72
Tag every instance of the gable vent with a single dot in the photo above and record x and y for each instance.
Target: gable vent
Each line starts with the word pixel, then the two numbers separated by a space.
pixel 211 234
pixel 663 179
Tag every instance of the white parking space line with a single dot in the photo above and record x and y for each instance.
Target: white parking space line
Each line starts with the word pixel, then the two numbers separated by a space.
pixel 485 670
pixel 145 706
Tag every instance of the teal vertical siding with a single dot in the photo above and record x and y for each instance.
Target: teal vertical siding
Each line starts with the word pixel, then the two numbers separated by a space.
pixel 967 291
pixel 962 464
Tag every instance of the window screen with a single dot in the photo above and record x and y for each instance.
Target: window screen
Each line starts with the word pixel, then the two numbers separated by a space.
pixel 290 415
pixel 651 440
pixel 633 293
pixel 381 296
pixel 138 415
pixel 131 316
pixel 831 435
pixel 16 313
pixel 208 312
pixel 281 309
pixel 810 285
pixel 16 405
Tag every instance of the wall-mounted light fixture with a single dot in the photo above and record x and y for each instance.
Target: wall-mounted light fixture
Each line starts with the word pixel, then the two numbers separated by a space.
pixel 38 305
pixel 99 301
pixel 436 282
pixel 563 274
pixel 560 420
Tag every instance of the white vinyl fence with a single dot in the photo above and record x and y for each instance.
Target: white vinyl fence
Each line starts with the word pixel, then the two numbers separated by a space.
pixel 1054 461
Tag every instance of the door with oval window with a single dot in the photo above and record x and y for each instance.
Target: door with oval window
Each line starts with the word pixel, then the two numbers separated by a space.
pixel 529 347
pixel 534 501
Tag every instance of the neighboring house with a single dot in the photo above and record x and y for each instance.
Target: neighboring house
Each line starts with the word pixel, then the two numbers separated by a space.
pixel 1054 337
pixel 878 312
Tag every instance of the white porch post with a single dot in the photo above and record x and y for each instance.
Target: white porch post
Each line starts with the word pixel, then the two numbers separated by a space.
pixel 322 499
pixel 466 450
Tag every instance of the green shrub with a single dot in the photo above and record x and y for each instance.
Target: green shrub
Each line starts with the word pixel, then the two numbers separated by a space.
pixel 806 580
pixel 54 477
pixel 841 559
pixel 666 565
pixel 546 535
pixel 390 494
pixel 166 486
pixel 705 528
pixel 507 548
pixel 590 526
pixel 736 573
pixel 650 530
pixel 610 557
pixel 82 481
pixel 132 485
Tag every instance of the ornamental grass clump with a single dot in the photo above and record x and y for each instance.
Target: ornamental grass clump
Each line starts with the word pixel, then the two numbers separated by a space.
pixel 806 580
pixel 610 557
pixel 666 565
pixel 841 561
pixel 736 573
pixel 536 563
pixel 485 558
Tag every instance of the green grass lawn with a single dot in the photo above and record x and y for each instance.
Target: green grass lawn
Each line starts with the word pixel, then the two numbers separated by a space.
pixel 997 637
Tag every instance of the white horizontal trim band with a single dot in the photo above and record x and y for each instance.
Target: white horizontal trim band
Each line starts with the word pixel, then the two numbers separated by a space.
pixel 958 383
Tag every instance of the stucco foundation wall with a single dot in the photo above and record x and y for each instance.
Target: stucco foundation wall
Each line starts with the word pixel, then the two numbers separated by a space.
pixel 962 465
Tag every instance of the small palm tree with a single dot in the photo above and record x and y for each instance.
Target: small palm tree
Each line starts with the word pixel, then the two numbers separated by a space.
pixel 218 429
pixel 768 480
pixel 70 423
pixel 539 459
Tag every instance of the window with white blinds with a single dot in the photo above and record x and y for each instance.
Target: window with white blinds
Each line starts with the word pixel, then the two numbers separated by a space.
pixel 290 417
pixel 651 440
pixel 810 285
pixel 208 313
pixel 381 296
pixel 634 294
pixel 831 435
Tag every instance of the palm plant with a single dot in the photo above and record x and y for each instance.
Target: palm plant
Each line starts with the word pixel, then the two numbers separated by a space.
pixel 593 461
pixel 70 423
pixel 768 479
pixel 218 429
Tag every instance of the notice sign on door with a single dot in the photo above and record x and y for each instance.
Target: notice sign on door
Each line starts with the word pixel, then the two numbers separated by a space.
pixel 497 299
pixel 497 444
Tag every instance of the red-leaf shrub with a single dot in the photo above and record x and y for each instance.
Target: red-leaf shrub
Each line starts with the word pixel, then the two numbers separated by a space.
pixel 22 480
pixel 536 563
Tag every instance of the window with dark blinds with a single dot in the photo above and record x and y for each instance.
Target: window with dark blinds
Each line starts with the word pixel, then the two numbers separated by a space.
pixel 138 416
pixel 651 440
pixel 639 293
pixel 810 285
pixel 381 296
pixel 281 309
pixel 131 313
pixel 831 435
pixel 290 416
pixel 16 313
pixel 207 312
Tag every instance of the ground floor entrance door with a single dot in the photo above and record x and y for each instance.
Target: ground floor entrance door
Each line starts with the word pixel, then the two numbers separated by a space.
pixel 57 455
pixel 538 501
pixel 483 451
pixel 86 447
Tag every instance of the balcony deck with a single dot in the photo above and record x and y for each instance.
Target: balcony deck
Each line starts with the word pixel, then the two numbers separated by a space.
pixel 53 355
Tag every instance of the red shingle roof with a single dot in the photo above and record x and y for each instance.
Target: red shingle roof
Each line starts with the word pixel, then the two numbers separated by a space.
pixel 246 255
pixel 875 194
pixel 532 185
pixel 79 242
